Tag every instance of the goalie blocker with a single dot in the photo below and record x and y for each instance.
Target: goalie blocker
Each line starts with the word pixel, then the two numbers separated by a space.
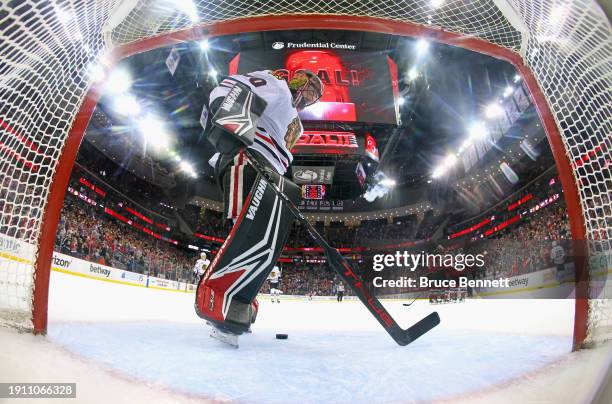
pixel 226 292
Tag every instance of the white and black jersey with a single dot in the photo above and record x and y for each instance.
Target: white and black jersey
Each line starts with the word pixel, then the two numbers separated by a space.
pixel 274 276
pixel 200 266
pixel 340 291
pixel 557 255
pixel 279 127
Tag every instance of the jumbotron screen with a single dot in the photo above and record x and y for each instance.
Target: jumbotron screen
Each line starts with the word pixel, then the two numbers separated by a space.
pixel 359 86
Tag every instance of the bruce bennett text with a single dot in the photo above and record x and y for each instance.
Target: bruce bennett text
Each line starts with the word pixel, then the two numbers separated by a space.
pixel 425 282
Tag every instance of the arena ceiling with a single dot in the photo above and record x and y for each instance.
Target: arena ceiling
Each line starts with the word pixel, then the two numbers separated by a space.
pixel 444 90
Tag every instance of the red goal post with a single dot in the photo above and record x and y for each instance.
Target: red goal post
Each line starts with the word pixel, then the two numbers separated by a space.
pixel 52 118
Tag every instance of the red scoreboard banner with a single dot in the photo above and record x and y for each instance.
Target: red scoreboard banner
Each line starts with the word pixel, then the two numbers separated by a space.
pixel 359 86
pixel 328 142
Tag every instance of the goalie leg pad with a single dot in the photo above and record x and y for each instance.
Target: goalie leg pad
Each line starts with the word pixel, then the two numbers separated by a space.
pixel 247 256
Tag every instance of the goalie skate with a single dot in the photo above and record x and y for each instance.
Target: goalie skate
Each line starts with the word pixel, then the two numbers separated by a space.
pixel 225 337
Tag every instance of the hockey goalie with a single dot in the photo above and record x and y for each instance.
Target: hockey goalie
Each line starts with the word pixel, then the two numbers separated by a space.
pixel 258 111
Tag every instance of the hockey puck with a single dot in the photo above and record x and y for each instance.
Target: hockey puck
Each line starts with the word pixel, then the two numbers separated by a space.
pixel 282 336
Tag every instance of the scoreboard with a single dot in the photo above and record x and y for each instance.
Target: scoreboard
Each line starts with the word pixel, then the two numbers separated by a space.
pixel 316 192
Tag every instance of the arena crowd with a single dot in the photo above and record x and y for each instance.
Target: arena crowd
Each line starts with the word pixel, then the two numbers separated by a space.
pixel 86 232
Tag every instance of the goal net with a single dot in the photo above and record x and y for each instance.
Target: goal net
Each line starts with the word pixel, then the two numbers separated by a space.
pixel 52 53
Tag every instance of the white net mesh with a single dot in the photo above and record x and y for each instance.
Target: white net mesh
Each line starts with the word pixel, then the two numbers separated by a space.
pixel 48 50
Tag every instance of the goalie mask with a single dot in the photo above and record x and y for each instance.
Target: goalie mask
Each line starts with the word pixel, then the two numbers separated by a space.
pixel 306 88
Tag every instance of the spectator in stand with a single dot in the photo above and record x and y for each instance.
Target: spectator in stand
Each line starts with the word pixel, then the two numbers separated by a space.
pixel 98 238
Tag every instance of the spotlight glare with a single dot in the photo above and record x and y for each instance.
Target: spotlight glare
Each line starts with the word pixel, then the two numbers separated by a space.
pixel 213 73
pixel 387 182
pixel 508 91
pixel 438 172
pixel 127 105
pixel 517 78
pixel 96 73
pixel 494 110
pixel 477 131
pixel 422 46
pixel 63 15
pixel 204 45
pixel 450 160
pixel 413 73
pixel 185 166
pixel 436 3
pixel 118 82
pixel 557 14
pixel 152 131
pixel 189 8
pixel 401 101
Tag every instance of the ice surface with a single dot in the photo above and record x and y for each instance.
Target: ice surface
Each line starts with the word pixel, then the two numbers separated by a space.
pixel 311 366
pixel 335 353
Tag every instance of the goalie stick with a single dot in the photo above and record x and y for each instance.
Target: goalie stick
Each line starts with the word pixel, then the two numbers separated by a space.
pixel 344 270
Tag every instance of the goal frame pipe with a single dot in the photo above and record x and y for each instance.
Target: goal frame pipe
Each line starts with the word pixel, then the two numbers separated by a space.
pixel 75 136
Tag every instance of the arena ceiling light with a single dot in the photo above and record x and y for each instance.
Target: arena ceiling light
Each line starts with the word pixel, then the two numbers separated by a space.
pixel 153 132
pixel 436 3
pixel 422 46
pixel 186 167
pixel 387 182
pixel 413 73
pixel 63 16
pixel 438 172
pixel 204 45
pixel 401 101
pixel 508 91
pixel 189 8
pixel 118 82
pixel 494 110
pixel 450 160
pixel 477 131
pixel 173 154
pixel 126 104
pixel 557 15
pixel 96 72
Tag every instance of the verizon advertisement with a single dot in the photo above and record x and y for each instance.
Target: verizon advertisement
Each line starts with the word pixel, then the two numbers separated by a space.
pixel 359 86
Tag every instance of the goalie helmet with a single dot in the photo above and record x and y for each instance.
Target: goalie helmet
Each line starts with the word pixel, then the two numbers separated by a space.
pixel 306 88
pixel 203 256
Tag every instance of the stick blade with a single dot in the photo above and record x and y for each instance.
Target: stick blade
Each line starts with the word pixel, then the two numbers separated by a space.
pixel 423 326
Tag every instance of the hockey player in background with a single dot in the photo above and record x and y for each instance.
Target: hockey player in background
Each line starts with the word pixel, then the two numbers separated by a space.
pixel 340 291
pixel 200 267
pixel 557 256
pixel 262 222
pixel 274 279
